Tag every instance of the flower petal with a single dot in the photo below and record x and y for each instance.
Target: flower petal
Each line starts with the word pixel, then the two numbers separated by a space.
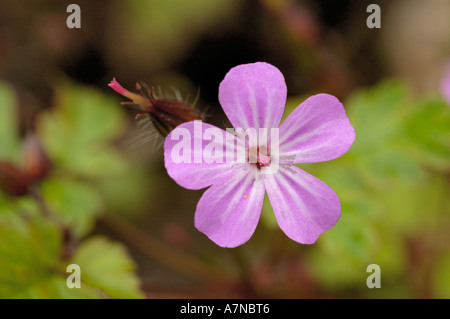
pixel 304 206
pixel 317 130
pixel 229 211
pixel 253 95
pixel 187 158
pixel 138 99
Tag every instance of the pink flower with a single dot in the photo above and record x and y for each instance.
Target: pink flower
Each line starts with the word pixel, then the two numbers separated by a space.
pixel 445 84
pixel 254 96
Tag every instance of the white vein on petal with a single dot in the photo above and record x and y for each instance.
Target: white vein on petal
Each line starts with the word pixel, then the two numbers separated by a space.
pixel 305 136
pixel 237 193
pixel 269 112
pixel 255 188
pixel 241 110
pixel 281 180
pixel 253 107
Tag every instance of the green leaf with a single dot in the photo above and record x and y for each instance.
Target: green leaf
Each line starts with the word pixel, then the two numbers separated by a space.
pixel 107 266
pixel 78 131
pixel 78 134
pixel 408 208
pixel 441 277
pixel 55 287
pixel 29 254
pixel 376 113
pixel 32 267
pixel 349 247
pixel 9 140
pixel 428 131
pixel 381 149
pixel 126 191
pixel 77 203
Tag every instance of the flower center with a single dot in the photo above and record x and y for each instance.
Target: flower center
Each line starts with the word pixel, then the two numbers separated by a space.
pixel 259 157
pixel 263 160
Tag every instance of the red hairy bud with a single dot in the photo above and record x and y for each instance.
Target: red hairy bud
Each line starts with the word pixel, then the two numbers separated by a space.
pixel 35 160
pixel 165 113
pixel 12 180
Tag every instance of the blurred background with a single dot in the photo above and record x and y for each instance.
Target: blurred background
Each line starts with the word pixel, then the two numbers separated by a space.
pixel 83 182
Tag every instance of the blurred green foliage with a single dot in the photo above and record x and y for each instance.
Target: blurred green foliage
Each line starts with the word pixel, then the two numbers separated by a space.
pixel 9 140
pixel 76 133
pixel 154 33
pixel 35 247
pixel 112 273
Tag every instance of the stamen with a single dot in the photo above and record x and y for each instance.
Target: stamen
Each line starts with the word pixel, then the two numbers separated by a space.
pixel 263 160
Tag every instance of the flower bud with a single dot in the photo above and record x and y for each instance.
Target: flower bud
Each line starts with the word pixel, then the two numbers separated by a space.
pixel 445 84
pixel 140 100
pixel 36 163
pixel 12 180
pixel 166 114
